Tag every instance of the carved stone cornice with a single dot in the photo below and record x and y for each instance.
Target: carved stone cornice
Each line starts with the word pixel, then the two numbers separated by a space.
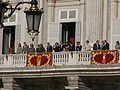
pixel 115 1
pixel 51 1
pixel 58 71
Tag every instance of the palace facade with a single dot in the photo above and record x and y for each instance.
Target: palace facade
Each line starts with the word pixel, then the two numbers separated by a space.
pixel 65 20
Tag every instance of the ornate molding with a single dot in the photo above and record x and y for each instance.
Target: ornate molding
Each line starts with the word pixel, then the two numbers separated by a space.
pixel 56 71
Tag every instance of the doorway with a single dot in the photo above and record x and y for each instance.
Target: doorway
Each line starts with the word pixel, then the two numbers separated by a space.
pixel 68 32
pixel 8 38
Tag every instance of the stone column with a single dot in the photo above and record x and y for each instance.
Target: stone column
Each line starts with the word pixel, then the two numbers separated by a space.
pixel 41 24
pixel 11 84
pixel 51 10
pixel 94 20
pixel 114 8
pixel 7 83
pixel 118 8
pixel 1 40
pixel 75 83
pixel 44 22
pixel 83 19
pixel 106 20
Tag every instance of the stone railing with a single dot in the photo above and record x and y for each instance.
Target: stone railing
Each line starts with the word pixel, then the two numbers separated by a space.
pixel 58 58
pixel 71 58
pixel 13 60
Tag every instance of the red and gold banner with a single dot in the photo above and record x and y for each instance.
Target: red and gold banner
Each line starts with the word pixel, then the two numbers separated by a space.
pixel 39 59
pixel 104 57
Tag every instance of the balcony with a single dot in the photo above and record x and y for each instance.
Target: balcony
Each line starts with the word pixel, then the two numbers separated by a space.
pixel 58 59
pixel 66 67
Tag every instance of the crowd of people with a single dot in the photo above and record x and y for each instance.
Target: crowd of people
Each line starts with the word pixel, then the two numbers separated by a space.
pixel 61 47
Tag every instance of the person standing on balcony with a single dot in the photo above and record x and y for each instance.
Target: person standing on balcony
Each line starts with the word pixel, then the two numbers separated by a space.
pixel 87 46
pixel 78 46
pixel 40 48
pixel 71 46
pixel 49 47
pixel 31 49
pixel 19 49
pixel 105 45
pixel 96 45
pixel 117 46
pixel 56 47
pixel 66 46
pixel 25 48
pixel 62 46
pixel 11 51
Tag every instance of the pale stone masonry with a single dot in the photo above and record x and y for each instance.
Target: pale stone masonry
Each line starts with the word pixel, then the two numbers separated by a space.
pixel 74 77
pixel 94 20
pixel 90 20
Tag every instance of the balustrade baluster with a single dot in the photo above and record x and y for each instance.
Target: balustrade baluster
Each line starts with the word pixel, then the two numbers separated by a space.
pixel 58 58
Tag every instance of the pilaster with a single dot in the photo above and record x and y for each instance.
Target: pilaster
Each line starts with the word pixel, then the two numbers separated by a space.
pixel 44 23
pixel 118 8
pixel 11 84
pixel 7 83
pixel 51 10
pixel 94 20
pixel 1 40
pixel 82 17
pixel 115 4
pixel 106 20
pixel 75 83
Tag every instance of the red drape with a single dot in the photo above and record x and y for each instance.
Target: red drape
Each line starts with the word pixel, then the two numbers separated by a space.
pixel 104 57
pixel 39 59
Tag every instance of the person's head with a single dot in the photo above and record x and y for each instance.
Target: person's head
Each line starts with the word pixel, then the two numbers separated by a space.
pixel 38 45
pixel 117 42
pixel 97 41
pixel 41 45
pixel 19 44
pixel 10 50
pixel 25 43
pixel 87 42
pixel 31 45
pixel 105 41
pixel 66 43
pixel 78 43
pixel 56 43
pixel 48 43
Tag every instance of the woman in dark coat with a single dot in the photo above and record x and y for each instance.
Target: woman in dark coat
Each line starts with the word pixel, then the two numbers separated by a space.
pixel 56 47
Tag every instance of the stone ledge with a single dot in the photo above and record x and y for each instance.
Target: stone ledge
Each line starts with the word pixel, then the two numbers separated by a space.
pixel 68 87
pixel 55 71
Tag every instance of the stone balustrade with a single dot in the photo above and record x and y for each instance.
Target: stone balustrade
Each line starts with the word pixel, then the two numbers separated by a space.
pixel 13 60
pixel 58 58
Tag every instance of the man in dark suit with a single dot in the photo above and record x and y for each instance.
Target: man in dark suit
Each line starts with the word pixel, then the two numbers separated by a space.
pixel 62 46
pixel 71 46
pixel 96 45
pixel 78 47
pixel 49 47
pixel 40 48
pixel 106 45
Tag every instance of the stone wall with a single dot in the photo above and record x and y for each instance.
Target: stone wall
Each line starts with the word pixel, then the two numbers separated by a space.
pixel 84 77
